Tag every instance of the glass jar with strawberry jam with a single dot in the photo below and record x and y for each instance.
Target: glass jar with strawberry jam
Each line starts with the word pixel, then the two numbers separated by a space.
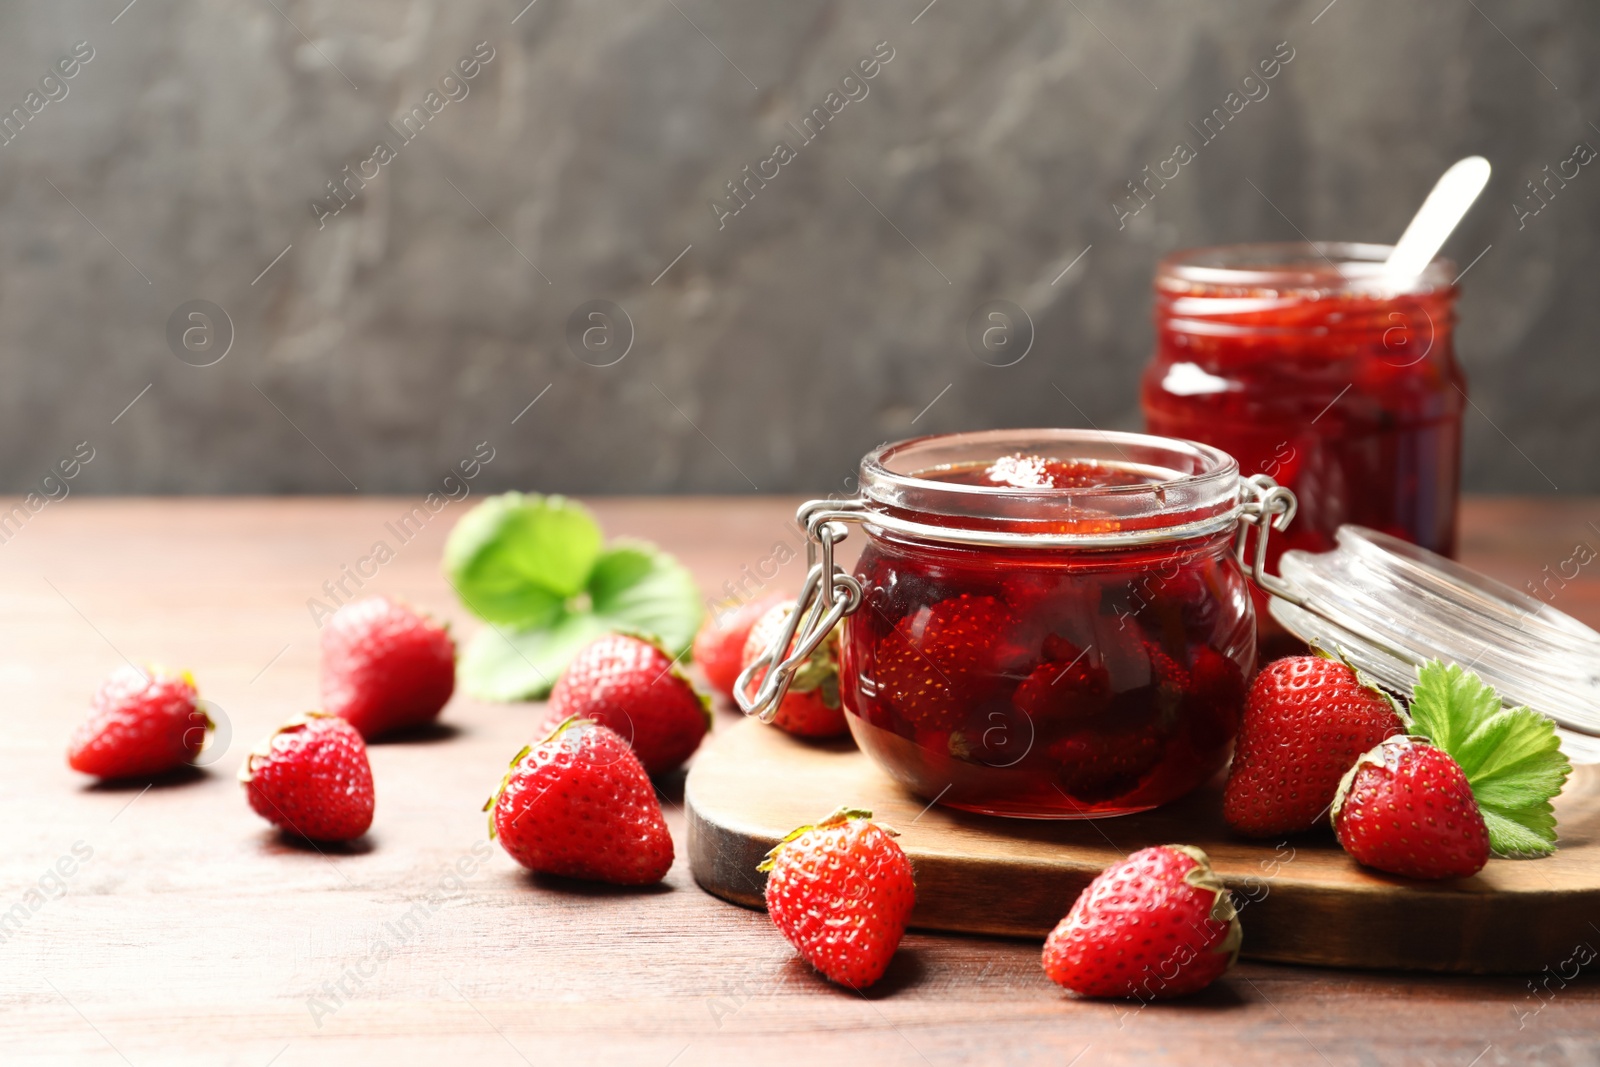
pixel 1042 623
pixel 1303 363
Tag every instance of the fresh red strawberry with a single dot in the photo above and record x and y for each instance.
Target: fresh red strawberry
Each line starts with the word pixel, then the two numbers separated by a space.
pixel 385 666
pixel 1307 720
pixel 841 892
pixel 634 688
pixel 140 724
pixel 719 646
pixel 811 706
pixel 1406 808
pixel 312 778
pixel 1158 924
pixel 1067 689
pixel 579 804
pixel 933 668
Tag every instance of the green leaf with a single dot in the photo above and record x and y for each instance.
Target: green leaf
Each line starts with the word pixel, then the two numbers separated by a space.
pixel 517 558
pixel 505 665
pixel 1449 703
pixel 1511 756
pixel 640 589
pixel 1512 838
pixel 631 586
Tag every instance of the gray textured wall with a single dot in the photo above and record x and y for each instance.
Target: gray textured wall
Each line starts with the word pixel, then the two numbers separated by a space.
pixel 825 317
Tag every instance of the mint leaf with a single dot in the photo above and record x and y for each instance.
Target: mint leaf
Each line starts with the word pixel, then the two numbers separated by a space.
pixel 1511 756
pixel 517 558
pixel 505 665
pixel 532 567
pixel 638 588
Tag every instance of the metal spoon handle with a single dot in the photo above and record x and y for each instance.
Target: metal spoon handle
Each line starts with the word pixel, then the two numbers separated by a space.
pixel 1438 217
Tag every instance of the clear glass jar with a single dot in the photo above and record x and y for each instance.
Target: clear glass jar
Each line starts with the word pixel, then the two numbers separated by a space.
pixel 1067 637
pixel 1301 363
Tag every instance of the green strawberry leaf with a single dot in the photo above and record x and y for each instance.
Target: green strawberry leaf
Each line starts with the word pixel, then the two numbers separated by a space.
pixel 1509 837
pixel 517 558
pixel 638 588
pixel 1511 756
pixel 1449 703
pixel 505 665
pixel 513 561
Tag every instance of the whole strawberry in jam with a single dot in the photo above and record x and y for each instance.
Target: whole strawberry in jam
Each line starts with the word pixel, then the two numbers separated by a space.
pixel 811 707
pixel 1307 720
pixel 1069 688
pixel 580 805
pixel 140 723
pixel 1109 757
pixel 312 778
pixel 1158 924
pixel 719 646
pixel 939 660
pixel 1406 808
pixel 841 892
pixel 1104 763
pixel 386 666
pixel 1215 699
pixel 1168 686
pixel 633 687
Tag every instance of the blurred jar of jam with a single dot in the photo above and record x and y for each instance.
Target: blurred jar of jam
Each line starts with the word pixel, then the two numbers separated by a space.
pixel 1304 364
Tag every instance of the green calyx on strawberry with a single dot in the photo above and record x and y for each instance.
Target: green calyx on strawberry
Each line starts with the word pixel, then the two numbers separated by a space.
pixel 834 819
pixel 820 671
pixel 1511 757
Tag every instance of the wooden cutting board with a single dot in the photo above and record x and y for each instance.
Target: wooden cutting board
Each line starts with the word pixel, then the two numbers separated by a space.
pixel 1302 900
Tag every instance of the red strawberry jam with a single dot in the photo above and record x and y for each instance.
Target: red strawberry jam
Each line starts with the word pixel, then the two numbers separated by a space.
pixel 1052 681
pixel 1293 360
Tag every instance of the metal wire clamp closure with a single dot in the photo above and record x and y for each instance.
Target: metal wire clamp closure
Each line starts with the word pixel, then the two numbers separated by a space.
pixel 817 609
pixel 1264 505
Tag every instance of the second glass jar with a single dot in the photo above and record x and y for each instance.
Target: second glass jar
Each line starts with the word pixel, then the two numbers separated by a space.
pixel 1304 364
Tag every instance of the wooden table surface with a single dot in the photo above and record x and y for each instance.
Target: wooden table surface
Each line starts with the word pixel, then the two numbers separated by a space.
pixel 188 932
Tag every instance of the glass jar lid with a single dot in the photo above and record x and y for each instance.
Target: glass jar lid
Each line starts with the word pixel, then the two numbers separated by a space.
pixel 1390 606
